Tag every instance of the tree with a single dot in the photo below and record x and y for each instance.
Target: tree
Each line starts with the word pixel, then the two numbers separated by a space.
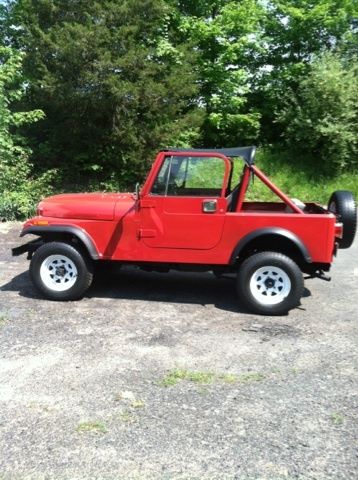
pixel 321 117
pixel 119 80
pixel 18 190
pixel 112 85
pixel 295 31
pixel 226 35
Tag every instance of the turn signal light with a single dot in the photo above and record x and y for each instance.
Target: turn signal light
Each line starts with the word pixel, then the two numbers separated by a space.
pixel 41 222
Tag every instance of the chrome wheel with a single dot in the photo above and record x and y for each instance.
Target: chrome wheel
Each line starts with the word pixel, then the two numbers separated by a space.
pixel 58 273
pixel 270 285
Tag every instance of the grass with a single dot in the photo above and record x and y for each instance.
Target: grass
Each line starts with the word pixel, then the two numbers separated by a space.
pixel 206 378
pixel 3 320
pixel 175 376
pixel 337 418
pixel 228 378
pixel 298 177
pixel 251 377
pixel 138 404
pixel 127 417
pixel 91 427
pixel 296 371
pixel 305 178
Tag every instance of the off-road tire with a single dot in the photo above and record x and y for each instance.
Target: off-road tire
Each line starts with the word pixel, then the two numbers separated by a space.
pixel 269 267
pixel 343 204
pixel 53 255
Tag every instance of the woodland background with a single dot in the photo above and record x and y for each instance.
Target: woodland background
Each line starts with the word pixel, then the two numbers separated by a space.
pixel 90 90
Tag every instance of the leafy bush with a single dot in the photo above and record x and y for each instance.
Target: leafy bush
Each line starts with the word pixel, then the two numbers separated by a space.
pixel 18 190
pixel 322 115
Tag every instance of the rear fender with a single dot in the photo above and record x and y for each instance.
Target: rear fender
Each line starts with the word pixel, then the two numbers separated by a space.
pixel 271 231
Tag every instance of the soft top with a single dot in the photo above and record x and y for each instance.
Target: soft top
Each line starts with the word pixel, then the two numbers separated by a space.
pixel 247 153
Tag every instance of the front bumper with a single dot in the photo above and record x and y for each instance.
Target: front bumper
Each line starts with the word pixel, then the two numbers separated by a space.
pixel 29 247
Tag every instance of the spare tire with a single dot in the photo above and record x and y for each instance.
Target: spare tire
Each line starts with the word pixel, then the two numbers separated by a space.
pixel 343 205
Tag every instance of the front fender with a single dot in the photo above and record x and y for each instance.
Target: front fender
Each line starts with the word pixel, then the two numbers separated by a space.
pixel 77 232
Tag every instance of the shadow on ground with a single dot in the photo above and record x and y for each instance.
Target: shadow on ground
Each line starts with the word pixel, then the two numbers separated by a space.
pixel 131 283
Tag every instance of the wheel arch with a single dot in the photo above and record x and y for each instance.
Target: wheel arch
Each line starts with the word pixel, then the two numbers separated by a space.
pixel 273 239
pixel 64 232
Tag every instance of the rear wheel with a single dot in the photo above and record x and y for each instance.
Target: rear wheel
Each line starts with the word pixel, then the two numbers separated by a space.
pixel 60 271
pixel 343 205
pixel 269 283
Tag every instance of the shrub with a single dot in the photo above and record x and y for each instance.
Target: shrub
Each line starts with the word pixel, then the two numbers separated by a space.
pixel 321 116
pixel 19 191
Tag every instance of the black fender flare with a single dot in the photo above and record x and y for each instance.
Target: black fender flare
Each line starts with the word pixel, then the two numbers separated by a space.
pixel 281 232
pixel 58 229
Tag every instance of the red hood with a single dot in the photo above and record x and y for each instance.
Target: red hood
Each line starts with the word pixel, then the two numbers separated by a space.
pixel 88 206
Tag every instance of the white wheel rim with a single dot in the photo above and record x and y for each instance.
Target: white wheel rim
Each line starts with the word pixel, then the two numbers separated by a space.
pixel 58 273
pixel 270 285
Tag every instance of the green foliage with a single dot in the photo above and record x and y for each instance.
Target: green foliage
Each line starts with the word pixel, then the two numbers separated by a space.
pixel 117 81
pixel 226 35
pixel 113 85
pixel 321 117
pixel 177 375
pixel 298 176
pixel 91 427
pixel 294 31
pixel 18 191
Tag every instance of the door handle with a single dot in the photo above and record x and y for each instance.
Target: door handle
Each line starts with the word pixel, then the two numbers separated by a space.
pixel 210 206
pixel 146 233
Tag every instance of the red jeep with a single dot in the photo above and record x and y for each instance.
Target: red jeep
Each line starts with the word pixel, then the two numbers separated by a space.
pixel 191 215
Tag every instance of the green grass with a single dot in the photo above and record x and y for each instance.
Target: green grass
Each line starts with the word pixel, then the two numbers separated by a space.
pixel 206 378
pixel 3 320
pixel 337 418
pixel 298 177
pixel 228 378
pixel 175 376
pixel 138 404
pixel 127 417
pixel 251 377
pixel 91 427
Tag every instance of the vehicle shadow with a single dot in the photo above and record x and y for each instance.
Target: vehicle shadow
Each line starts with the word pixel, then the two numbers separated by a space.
pixel 131 283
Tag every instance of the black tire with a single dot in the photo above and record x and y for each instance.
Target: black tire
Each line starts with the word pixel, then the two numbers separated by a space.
pixel 281 279
pixel 343 204
pixel 57 265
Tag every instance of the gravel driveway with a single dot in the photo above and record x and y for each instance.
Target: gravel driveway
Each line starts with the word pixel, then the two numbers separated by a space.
pixel 164 376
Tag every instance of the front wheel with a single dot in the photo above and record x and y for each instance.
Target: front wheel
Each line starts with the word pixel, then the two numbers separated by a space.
pixel 269 283
pixel 60 271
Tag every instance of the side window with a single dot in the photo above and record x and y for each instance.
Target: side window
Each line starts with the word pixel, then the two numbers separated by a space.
pixel 190 176
pixel 160 184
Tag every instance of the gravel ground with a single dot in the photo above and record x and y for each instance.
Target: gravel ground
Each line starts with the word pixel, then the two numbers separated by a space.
pixel 164 376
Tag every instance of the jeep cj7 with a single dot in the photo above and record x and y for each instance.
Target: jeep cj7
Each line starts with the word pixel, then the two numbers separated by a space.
pixel 191 214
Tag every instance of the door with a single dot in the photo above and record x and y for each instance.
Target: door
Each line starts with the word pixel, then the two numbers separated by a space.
pixel 185 207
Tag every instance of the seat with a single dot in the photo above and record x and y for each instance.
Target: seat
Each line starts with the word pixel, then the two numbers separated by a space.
pixel 233 198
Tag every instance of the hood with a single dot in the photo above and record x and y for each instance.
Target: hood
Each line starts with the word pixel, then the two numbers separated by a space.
pixel 85 206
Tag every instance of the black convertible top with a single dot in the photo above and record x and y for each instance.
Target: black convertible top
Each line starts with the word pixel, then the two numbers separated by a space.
pixel 247 153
